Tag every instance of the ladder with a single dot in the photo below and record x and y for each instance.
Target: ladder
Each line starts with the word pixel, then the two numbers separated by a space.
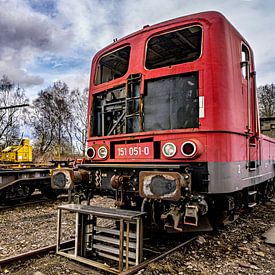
pixel 252 198
pixel 112 249
pixel 133 103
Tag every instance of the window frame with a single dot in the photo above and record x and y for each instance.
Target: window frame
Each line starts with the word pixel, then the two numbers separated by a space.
pixel 246 59
pixel 106 54
pixel 171 31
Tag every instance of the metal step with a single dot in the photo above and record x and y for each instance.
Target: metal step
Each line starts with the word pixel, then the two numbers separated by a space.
pixel 251 193
pixel 252 204
pixel 94 243
pixel 113 250
pixel 112 241
pixel 114 258
pixel 116 232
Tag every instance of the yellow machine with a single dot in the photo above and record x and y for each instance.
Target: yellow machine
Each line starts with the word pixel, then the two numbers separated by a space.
pixel 18 153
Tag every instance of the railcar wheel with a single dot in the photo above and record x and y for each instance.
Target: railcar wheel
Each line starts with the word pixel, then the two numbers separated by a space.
pixel 27 191
pixel 2 197
pixel 16 192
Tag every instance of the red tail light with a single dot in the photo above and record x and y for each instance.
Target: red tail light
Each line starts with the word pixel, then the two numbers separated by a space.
pixel 189 149
pixel 91 152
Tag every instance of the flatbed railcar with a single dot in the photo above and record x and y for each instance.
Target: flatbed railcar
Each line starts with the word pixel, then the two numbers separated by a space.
pixel 20 177
pixel 18 184
pixel 174 124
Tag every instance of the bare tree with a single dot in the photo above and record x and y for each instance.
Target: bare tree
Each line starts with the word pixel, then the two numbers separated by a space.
pixel 11 118
pixel 79 106
pixel 266 97
pixel 51 118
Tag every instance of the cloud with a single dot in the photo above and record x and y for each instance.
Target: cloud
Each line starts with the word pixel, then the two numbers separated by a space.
pixel 11 61
pixel 25 34
pixel 95 23
pixel 22 27
pixel 44 41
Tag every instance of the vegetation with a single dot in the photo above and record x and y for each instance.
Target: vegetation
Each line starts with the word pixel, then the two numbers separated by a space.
pixel 57 118
pixel 11 118
pixel 266 97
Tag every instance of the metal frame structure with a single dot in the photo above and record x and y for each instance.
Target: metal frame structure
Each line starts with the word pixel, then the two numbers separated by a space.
pixel 92 241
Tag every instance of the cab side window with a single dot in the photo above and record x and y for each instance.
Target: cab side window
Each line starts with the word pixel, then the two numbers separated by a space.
pixel 245 61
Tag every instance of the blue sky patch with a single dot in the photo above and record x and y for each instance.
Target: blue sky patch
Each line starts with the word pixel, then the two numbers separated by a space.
pixel 46 7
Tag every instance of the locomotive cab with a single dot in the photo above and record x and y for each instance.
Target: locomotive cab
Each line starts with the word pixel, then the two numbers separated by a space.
pixel 173 121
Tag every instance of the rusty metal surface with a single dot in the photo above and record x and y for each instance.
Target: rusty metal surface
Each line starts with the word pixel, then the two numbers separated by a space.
pixel 270 235
pixel 33 253
pixel 160 185
pixel 118 180
pixel 65 178
pixel 62 178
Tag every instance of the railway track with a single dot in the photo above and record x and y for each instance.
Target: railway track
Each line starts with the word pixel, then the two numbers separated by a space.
pixel 31 254
pixel 143 264
pixel 46 261
pixel 35 199
pixel 12 260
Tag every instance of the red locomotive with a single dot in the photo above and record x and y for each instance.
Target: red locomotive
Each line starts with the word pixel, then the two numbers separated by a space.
pixel 174 124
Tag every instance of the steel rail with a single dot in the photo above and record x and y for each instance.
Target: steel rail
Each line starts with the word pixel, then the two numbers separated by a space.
pixel 33 200
pixel 142 265
pixel 45 250
pixel 32 253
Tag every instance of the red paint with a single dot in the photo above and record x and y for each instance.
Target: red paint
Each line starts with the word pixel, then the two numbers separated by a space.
pixel 223 132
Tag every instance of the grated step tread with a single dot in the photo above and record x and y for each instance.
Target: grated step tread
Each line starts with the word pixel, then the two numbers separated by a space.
pixel 113 241
pixel 112 250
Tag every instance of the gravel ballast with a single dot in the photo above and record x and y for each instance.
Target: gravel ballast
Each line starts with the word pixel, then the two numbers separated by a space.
pixel 239 248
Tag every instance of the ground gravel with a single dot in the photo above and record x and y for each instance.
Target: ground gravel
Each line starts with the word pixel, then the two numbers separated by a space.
pixel 31 227
pixel 237 249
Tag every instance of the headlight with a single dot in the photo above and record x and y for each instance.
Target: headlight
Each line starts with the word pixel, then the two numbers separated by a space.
pixel 188 149
pixel 91 152
pixel 102 152
pixel 169 149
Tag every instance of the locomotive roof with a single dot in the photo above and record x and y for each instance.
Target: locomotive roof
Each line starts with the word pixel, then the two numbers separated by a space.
pixel 208 16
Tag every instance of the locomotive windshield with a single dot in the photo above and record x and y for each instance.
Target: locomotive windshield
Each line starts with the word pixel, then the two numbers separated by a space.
pixel 171 103
pixel 168 103
pixel 173 48
pixel 113 65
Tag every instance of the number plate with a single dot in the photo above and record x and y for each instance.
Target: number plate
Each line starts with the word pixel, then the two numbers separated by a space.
pixel 134 151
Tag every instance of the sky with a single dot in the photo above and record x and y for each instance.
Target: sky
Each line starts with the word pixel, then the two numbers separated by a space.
pixel 43 41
